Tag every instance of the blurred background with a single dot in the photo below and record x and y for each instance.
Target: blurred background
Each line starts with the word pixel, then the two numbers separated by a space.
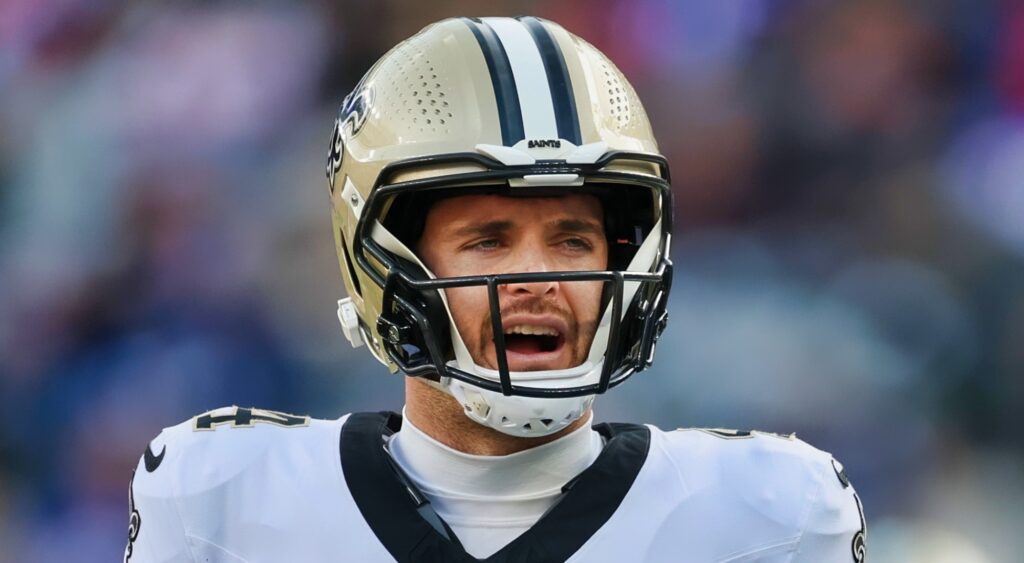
pixel 849 181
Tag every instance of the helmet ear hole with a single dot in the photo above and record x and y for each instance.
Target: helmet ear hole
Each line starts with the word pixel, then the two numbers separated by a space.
pixel 349 265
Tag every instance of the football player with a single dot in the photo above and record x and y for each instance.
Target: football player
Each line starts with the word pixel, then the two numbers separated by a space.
pixel 502 218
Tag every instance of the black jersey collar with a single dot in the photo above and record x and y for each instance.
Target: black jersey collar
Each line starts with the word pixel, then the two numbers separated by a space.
pixel 390 507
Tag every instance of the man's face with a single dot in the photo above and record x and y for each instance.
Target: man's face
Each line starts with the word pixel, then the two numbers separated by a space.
pixel 547 325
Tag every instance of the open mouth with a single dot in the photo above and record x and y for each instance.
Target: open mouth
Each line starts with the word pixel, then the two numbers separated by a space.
pixel 532 347
pixel 532 339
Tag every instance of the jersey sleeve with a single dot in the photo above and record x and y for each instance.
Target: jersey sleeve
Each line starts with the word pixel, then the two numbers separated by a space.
pixel 835 528
pixel 156 532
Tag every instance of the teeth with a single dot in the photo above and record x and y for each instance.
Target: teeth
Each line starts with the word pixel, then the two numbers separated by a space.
pixel 532 330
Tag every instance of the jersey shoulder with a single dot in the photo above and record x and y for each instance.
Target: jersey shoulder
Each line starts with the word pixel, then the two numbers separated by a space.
pixel 777 478
pixel 189 488
pixel 748 455
pixel 211 448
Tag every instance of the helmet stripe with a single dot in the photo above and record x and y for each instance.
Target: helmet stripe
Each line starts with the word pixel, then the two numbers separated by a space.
pixel 531 80
pixel 558 80
pixel 510 113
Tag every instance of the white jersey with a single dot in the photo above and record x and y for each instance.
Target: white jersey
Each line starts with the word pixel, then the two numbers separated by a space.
pixel 246 485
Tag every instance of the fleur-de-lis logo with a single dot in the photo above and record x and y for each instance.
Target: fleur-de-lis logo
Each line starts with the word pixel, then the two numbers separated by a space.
pixel 335 153
pixel 859 549
pixel 356 107
pixel 352 115
pixel 134 521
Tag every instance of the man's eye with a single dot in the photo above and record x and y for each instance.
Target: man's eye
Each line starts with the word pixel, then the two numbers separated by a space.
pixel 487 244
pixel 576 243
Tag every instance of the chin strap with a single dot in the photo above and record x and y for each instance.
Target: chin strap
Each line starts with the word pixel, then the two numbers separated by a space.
pixel 524 417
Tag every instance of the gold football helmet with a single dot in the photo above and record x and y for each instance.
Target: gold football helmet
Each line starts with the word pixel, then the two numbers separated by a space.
pixel 509 106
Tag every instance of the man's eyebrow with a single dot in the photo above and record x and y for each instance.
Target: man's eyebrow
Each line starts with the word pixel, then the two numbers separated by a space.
pixel 482 228
pixel 490 228
pixel 580 226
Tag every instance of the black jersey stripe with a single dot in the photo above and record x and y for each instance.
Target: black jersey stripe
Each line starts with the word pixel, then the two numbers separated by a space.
pixel 510 113
pixel 395 512
pixel 562 98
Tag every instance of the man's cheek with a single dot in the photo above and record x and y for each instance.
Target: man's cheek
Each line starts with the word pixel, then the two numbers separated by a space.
pixel 469 307
pixel 589 303
pixel 589 313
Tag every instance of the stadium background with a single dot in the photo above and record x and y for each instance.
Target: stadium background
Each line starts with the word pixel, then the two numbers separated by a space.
pixel 849 181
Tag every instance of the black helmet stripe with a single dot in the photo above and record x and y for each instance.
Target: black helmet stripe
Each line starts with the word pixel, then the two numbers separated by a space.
pixel 510 114
pixel 558 80
pixel 522 57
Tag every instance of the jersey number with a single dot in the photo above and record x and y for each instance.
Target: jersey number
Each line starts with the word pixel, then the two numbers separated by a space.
pixel 731 434
pixel 247 418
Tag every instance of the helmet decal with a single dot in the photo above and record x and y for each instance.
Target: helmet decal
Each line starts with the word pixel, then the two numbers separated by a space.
pixel 356 107
pixel 335 153
pixel 353 112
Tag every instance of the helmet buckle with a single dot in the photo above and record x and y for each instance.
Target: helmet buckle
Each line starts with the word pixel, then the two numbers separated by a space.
pixel 350 322
pixel 394 333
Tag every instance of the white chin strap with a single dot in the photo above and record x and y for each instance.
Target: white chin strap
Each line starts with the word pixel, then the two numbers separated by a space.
pixel 528 416
pixel 515 415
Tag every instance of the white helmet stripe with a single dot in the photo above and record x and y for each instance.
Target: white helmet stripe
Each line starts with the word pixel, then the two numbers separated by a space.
pixel 562 96
pixel 531 80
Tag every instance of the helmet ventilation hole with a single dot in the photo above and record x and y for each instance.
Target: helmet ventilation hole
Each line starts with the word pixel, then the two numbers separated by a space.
pixel 618 107
pixel 415 82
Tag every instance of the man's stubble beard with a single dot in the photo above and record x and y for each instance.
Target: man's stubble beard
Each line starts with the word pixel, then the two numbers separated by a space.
pixel 575 330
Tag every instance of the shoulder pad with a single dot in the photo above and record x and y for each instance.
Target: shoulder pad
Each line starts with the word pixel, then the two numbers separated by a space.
pixel 191 471
pixel 212 447
pixel 836 530
pixel 752 456
pixel 780 476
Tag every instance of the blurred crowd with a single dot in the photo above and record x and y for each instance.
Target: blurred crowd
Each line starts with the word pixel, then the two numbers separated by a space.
pixel 849 183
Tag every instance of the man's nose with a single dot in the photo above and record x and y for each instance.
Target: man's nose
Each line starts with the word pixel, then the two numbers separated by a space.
pixel 531 261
